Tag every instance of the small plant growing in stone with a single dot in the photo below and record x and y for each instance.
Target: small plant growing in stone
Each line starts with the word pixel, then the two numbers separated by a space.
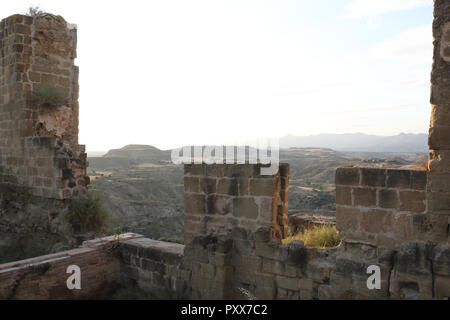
pixel 87 213
pixel 48 96
pixel 34 11
pixel 247 295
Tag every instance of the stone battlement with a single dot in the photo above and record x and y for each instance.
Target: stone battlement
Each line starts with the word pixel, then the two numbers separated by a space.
pixel 385 207
pixel 218 198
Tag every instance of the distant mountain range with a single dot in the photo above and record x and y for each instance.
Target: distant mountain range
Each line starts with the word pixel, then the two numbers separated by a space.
pixel 359 142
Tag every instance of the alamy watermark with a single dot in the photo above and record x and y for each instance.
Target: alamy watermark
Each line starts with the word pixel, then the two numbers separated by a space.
pixel 74 281
pixel 374 280
pixel 266 152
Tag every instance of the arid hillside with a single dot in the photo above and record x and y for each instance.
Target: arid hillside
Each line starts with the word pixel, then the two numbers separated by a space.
pixel 144 190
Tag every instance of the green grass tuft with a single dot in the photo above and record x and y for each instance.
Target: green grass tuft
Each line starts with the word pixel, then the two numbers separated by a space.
pixel 49 96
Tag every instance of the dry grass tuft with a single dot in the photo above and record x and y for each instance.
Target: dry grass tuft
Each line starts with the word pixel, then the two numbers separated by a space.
pixel 318 236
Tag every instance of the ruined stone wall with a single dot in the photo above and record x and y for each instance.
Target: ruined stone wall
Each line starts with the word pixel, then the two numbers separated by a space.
pixel 41 163
pixel 218 198
pixel 39 144
pixel 45 277
pixel 155 266
pixel 243 265
pixel 384 207
pixel 235 219
pixel 382 218
pixel 438 201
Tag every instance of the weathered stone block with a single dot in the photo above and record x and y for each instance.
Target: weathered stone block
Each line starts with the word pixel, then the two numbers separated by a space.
pixel 228 186
pixel 343 195
pixel 219 204
pixel 342 277
pixel 263 187
pixel 265 292
pixel 273 266
pixel 439 161
pixel 214 170
pixel 364 197
pixel 191 184
pixel 442 287
pixel 245 276
pixel 269 250
pixel 388 199
pixel 431 227
pixel 403 225
pixel 347 176
pixel 238 170
pixel 440 115
pixel 266 210
pixel 439 136
pixel 288 283
pixel 23 29
pixel 419 179
pixel 376 221
pixel 411 277
pixel 245 207
pixel 194 203
pixel 243 247
pixel 224 274
pixel 413 201
pixel 441 260
pixel 439 181
pixel 250 263
pixel 347 219
pixel 399 179
pixel 373 177
pixel 194 169
pixel 439 202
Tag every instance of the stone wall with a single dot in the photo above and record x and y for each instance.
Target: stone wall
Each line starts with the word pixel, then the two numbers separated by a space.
pixel 155 266
pixel 381 215
pixel 45 277
pixel 41 163
pixel 384 207
pixel 218 198
pixel 383 219
pixel 438 202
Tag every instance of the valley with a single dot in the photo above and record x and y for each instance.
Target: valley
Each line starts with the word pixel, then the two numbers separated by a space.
pixel 143 190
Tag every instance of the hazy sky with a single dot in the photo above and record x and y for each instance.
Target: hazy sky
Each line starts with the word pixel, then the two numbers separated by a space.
pixel 172 73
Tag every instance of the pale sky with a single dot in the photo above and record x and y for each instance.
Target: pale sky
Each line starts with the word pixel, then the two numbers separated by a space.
pixel 182 72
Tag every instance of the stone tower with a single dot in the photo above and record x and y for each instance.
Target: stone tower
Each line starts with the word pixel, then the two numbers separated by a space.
pixel 41 164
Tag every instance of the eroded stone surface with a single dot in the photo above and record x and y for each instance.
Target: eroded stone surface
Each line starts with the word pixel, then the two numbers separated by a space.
pixel 55 122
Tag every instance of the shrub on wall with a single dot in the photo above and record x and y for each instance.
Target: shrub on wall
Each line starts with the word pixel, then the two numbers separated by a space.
pixel 34 11
pixel 87 213
pixel 49 96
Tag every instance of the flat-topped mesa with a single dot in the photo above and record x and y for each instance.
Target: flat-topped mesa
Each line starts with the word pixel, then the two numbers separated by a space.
pixel 39 107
